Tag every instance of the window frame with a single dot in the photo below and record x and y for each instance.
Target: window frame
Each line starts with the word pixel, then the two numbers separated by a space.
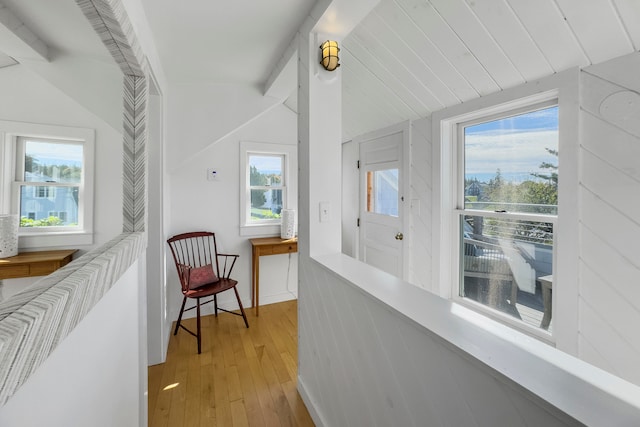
pixel 459 211
pixel 10 135
pixel 268 227
pixel 564 85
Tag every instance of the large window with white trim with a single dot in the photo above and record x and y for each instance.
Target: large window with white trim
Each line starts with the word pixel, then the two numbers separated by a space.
pixel 506 213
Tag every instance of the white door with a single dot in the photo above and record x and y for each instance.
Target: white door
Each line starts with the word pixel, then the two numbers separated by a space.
pixel 383 241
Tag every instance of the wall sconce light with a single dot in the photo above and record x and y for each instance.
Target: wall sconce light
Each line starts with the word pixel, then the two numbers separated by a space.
pixel 330 59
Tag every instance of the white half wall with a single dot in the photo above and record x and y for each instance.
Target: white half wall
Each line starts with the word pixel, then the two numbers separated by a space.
pixel 377 351
pixel 97 375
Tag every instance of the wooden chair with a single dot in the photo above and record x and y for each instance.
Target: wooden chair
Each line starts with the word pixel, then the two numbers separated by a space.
pixel 203 272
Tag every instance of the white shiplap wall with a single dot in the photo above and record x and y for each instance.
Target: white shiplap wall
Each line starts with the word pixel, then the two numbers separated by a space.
pixel 420 257
pixel 609 300
pixel 363 363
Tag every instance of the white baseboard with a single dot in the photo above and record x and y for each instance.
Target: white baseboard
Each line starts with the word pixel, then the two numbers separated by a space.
pixel 315 416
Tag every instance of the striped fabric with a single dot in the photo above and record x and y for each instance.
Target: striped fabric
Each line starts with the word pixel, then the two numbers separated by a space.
pixel 35 321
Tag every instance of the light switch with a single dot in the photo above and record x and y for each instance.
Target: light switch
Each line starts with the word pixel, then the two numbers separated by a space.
pixel 212 174
pixel 325 211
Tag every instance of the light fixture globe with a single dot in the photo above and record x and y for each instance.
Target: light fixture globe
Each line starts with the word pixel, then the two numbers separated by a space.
pixel 330 59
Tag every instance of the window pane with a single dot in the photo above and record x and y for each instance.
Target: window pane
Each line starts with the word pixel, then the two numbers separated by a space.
pixel 511 164
pixel 265 170
pixel 503 262
pixel 382 192
pixel 46 206
pixel 52 162
pixel 266 204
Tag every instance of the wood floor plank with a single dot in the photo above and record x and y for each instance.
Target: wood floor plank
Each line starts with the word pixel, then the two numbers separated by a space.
pixel 244 377
pixel 160 416
pixel 303 419
pixel 192 386
pixel 153 386
pixel 239 414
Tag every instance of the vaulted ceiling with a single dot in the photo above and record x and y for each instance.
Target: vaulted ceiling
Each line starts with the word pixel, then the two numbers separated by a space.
pixel 405 60
pixel 409 58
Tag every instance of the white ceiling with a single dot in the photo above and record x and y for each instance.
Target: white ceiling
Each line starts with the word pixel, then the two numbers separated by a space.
pixel 61 25
pixel 407 59
pixel 236 41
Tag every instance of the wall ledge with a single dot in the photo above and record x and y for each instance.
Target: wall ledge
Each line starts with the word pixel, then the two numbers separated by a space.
pixel 34 321
pixel 582 391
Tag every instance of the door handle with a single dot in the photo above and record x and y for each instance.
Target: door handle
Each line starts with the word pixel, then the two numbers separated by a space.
pixel 399 236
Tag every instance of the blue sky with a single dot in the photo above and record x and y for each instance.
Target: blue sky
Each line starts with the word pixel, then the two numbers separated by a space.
pixel 265 163
pixel 50 153
pixel 516 145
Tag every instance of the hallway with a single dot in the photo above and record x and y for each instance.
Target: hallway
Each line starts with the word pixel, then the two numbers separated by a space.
pixel 244 377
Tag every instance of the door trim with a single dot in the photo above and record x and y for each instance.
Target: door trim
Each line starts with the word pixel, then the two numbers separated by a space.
pixel 404 206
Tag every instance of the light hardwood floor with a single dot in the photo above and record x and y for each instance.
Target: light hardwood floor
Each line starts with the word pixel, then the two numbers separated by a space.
pixel 244 377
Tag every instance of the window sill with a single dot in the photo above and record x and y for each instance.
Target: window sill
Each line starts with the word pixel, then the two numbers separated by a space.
pixel 51 239
pixel 260 230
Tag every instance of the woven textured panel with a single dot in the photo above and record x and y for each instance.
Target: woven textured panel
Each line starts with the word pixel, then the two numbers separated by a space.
pixel 35 321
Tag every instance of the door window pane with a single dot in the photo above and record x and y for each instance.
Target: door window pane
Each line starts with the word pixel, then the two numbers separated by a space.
pixel 382 192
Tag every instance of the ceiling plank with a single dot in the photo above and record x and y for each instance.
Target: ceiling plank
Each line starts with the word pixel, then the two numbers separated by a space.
pixel 416 40
pixel 362 110
pixel 547 27
pixel 361 79
pixel 507 30
pixel 368 52
pixel 477 39
pixel 441 35
pixel 396 67
pixel 416 65
pixel 629 13
pixel 608 39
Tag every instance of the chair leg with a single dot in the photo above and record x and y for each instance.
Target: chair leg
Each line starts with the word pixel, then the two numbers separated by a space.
pixel 198 322
pixel 215 303
pixel 184 301
pixel 244 316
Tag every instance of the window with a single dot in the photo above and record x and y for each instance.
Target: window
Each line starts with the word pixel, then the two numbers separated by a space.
pixel 59 165
pixel 506 213
pixel 382 192
pixel 48 182
pixel 267 184
pixel 44 192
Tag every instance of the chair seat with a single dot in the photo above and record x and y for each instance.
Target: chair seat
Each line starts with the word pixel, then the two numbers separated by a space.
pixel 211 288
